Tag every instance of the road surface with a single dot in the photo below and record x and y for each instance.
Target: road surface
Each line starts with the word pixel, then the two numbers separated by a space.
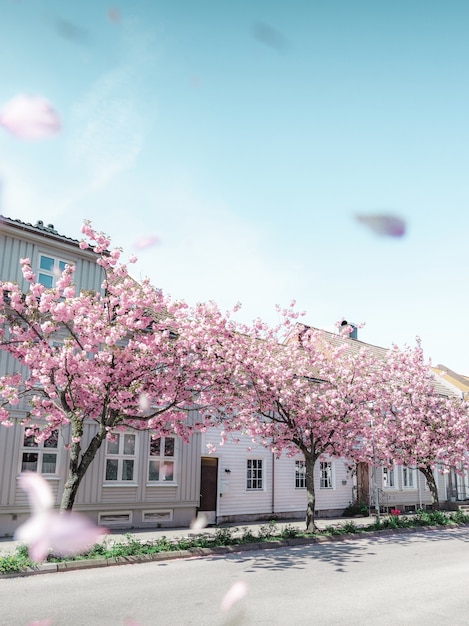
pixel 409 579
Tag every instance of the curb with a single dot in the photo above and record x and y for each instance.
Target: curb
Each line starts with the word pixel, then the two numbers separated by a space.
pixel 68 566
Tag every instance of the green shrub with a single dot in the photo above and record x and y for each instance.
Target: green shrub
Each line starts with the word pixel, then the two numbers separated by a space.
pixel 289 531
pixel 248 536
pixel 224 537
pixel 267 531
pixel 349 527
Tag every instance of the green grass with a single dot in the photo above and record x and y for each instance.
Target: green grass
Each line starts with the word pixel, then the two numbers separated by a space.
pixel 131 546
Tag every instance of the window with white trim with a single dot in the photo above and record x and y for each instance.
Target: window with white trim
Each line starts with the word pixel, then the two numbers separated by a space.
pixel 121 458
pixel 300 475
pixel 325 475
pixel 162 457
pixel 254 475
pixel 389 477
pixel 39 456
pixel 50 269
pixel 408 478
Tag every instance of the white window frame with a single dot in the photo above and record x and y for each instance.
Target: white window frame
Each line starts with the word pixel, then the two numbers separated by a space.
pixel 300 474
pixel 326 480
pixel 406 473
pixel 389 474
pixel 121 457
pixel 55 273
pixel 162 458
pixel 41 449
pixel 255 474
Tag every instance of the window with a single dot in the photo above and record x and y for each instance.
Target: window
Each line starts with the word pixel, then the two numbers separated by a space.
pixel 120 458
pixel 408 477
pixel 389 478
pixel 300 475
pixel 40 456
pixel 325 468
pixel 254 477
pixel 50 269
pixel 162 460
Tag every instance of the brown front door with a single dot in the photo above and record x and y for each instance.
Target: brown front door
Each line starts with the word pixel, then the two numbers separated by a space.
pixel 363 482
pixel 209 488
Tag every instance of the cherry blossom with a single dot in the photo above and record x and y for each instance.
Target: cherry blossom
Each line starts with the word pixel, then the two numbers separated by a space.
pixel 124 357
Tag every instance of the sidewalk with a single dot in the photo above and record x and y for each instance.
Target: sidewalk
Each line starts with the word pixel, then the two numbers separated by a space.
pixel 8 545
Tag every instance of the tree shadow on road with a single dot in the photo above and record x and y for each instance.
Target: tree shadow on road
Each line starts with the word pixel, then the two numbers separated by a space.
pixel 342 551
pixel 338 554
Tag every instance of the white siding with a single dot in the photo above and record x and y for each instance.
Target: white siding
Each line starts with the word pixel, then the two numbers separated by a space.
pixel 279 494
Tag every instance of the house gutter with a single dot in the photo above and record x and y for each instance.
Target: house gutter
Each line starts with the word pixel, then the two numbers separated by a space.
pixel 273 483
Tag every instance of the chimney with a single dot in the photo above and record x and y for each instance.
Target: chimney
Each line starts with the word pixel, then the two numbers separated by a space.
pixel 348 329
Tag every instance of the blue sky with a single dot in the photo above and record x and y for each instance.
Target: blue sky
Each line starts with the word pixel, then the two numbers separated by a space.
pixel 247 136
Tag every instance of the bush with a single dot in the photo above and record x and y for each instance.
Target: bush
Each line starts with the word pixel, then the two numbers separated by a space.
pixel 289 532
pixel 359 508
pixel 349 527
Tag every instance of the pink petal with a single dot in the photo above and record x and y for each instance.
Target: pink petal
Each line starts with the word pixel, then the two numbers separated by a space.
pixel 38 491
pixel 72 533
pixel 29 117
pixel 235 593
pixel 388 225
pixel 199 522
pixel 146 242
pixel 63 534
pixel 41 622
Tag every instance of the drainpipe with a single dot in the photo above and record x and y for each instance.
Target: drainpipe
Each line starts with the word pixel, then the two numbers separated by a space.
pixel 273 483
pixel 419 488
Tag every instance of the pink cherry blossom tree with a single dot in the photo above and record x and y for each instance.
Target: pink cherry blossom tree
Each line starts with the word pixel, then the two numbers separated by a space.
pixel 310 393
pixel 113 357
pixel 420 423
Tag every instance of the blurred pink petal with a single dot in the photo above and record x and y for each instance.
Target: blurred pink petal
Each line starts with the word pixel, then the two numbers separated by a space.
pixel 63 534
pixel 235 593
pixel 146 242
pixel 143 402
pixel 113 14
pixel 38 491
pixel 389 225
pixel 41 622
pixel 29 117
pixel 199 522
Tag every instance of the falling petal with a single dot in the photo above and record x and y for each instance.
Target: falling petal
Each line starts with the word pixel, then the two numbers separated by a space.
pixel 199 522
pixel 41 622
pixel 63 534
pixel 389 225
pixel 269 36
pixel 236 592
pixel 46 530
pixel 29 117
pixel 71 31
pixel 144 402
pixel 146 242
pixel 113 15
pixel 38 491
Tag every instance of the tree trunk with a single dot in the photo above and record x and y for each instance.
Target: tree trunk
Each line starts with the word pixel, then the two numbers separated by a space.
pixel 310 461
pixel 430 478
pixel 77 467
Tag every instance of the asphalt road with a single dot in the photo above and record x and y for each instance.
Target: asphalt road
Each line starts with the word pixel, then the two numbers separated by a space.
pixel 409 579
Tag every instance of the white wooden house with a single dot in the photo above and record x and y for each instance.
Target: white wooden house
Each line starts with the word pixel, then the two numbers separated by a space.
pixel 132 482
pixel 244 481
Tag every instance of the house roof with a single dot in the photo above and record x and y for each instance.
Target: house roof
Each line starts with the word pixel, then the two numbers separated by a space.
pixel 354 345
pixel 452 378
pixel 41 229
